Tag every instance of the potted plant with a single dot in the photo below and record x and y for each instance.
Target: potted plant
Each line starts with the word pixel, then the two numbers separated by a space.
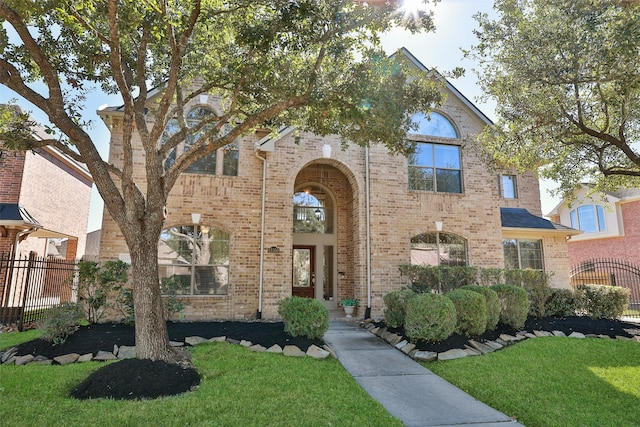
pixel 349 305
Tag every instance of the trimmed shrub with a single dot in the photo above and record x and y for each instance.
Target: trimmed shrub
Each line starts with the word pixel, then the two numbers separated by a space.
pixel 561 302
pixel 493 304
pixel 514 305
pixel 61 321
pixel 471 311
pixel 304 317
pixel 395 307
pixel 430 317
pixel 598 301
pixel 441 279
pixel 536 283
pixel 98 284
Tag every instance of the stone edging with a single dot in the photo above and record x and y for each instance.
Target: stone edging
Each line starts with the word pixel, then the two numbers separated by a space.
pixel 125 352
pixel 472 348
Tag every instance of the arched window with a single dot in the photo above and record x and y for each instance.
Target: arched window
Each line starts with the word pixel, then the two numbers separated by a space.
pixel 312 211
pixel 208 164
pixel 435 167
pixel 437 248
pixel 197 257
pixel 433 124
pixel 588 218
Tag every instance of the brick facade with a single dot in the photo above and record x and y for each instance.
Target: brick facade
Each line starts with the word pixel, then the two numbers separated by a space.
pixel 625 247
pixel 233 204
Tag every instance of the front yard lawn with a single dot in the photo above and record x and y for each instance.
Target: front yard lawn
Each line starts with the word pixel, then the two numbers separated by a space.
pixel 238 388
pixel 555 381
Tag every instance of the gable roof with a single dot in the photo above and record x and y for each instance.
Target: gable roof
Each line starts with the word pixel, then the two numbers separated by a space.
pixel 448 85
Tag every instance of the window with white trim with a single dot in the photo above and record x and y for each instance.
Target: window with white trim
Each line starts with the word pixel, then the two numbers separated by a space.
pixel 197 256
pixel 588 218
pixel 509 186
pixel 522 253
pixel 437 248
pixel 209 163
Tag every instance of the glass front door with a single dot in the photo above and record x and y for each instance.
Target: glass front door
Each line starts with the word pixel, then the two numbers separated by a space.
pixel 304 275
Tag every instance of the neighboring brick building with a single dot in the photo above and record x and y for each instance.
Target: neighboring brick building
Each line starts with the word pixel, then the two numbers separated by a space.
pixel 325 216
pixel 610 225
pixel 44 195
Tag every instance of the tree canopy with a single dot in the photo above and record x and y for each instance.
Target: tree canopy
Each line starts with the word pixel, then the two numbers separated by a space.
pixel 315 65
pixel 565 77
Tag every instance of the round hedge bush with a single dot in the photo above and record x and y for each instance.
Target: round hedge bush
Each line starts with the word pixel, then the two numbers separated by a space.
pixel 514 305
pixel 493 304
pixel 395 307
pixel 306 317
pixel 430 317
pixel 471 311
pixel 562 303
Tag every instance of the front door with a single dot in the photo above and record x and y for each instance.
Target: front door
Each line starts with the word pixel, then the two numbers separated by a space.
pixel 304 275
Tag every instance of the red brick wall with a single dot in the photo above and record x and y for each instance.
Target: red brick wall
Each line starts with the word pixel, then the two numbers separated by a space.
pixel 626 247
pixel 11 170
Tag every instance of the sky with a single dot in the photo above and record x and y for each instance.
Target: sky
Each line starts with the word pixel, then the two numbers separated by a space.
pixel 440 49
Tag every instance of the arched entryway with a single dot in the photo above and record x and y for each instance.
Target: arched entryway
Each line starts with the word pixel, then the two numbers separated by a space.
pixel 325 237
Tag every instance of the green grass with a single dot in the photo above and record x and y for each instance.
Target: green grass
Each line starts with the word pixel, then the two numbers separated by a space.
pixel 555 381
pixel 239 388
pixel 10 339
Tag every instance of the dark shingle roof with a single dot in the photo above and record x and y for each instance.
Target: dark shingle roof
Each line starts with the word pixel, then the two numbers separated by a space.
pixel 521 218
pixel 13 212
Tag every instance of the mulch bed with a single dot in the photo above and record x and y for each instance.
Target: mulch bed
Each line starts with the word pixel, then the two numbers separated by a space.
pixel 582 324
pixel 145 379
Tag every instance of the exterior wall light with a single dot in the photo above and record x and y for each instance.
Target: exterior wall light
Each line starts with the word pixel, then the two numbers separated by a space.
pixel 195 218
pixel 326 151
pixel 438 225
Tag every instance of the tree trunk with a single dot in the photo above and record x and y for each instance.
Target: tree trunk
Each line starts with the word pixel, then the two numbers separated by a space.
pixel 152 339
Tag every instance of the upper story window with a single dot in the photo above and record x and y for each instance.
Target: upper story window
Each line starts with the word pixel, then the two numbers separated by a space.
pixel 208 164
pixel 435 167
pixel 434 124
pixel 588 218
pixel 197 256
pixel 438 248
pixel 509 186
pixel 312 211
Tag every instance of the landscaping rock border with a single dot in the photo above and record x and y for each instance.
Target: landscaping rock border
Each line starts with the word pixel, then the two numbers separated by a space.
pixel 9 357
pixel 472 348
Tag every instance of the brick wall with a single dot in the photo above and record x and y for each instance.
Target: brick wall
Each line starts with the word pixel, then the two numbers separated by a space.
pixel 626 247
pixel 233 204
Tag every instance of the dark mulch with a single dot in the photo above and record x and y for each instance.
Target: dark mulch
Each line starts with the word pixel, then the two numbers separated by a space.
pixel 102 337
pixel 137 379
pixel 583 324
pixel 144 379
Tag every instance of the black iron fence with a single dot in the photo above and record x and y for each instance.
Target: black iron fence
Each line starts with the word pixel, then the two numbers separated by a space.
pixel 30 285
pixel 611 272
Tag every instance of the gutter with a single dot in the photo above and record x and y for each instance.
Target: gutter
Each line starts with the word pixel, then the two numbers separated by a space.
pixel 264 191
pixel 367 313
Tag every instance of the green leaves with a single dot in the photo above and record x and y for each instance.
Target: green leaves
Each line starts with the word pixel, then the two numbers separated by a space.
pixel 565 79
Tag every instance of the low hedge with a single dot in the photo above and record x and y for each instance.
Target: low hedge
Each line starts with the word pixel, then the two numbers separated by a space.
pixel 395 307
pixel 471 311
pixel 493 304
pixel 514 305
pixel 430 317
pixel 599 301
pixel 561 303
pixel 304 317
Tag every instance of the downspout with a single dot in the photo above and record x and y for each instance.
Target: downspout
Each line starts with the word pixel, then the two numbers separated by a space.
pixel 264 192
pixel 367 313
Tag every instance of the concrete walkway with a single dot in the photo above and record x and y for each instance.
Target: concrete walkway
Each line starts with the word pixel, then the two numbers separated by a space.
pixel 405 388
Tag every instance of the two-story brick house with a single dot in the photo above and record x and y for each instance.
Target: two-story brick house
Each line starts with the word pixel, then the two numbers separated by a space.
pixel 44 194
pixel 610 224
pixel 272 216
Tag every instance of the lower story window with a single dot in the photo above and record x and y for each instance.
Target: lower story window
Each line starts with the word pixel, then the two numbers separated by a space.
pixel 197 257
pixel 520 253
pixel 438 249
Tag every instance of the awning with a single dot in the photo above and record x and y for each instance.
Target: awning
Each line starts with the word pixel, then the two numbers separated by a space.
pixel 13 214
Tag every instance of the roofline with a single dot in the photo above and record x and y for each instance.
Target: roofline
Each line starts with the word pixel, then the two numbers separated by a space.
pixel 543 231
pixel 448 85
